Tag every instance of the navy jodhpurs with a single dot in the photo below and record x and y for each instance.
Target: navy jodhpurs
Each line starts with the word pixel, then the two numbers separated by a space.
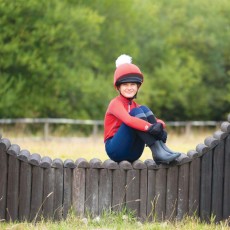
pixel 126 144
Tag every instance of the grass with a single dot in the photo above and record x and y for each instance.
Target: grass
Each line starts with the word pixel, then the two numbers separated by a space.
pixel 89 147
pixel 116 221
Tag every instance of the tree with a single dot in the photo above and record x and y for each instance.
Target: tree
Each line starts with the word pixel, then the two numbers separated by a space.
pixel 44 44
pixel 57 58
pixel 185 58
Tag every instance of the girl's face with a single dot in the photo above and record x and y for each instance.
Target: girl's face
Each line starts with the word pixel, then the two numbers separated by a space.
pixel 128 90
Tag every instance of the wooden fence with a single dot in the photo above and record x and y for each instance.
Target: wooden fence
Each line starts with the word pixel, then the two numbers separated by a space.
pixel 197 183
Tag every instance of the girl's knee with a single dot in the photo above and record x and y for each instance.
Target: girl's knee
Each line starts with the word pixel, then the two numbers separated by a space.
pixel 145 108
pixel 136 111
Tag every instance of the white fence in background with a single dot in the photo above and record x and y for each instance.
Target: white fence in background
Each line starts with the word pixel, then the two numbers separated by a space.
pixel 96 123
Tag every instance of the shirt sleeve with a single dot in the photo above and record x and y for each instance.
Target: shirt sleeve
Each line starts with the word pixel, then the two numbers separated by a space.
pixel 117 109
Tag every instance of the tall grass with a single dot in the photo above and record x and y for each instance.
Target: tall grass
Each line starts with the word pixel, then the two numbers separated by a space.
pixel 111 220
pixel 74 147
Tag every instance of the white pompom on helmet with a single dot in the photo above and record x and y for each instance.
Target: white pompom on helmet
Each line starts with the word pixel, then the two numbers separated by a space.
pixel 126 71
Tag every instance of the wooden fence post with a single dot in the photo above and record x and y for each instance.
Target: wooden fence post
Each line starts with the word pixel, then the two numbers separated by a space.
pixel 4 145
pixel 106 185
pixel 92 187
pixel 37 188
pixel 206 184
pixel 25 186
pixel 57 164
pixel 225 127
pixel 119 189
pixel 151 199
pixel 217 180
pixel 183 189
pixel 143 187
pixel 133 191
pixel 172 193
pixel 226 198
pixel 79 186
pixel 48 188
pixel 194 183
pixel 160 193
pixel 68 179
pixel 13 183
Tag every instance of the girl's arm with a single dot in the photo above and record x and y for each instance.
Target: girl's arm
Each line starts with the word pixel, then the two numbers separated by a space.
pixel 117 109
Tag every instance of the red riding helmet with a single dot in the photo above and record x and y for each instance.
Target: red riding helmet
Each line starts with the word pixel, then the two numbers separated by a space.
pixel 126 71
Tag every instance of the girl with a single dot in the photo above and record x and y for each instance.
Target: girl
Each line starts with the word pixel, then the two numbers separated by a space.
pixel 128 127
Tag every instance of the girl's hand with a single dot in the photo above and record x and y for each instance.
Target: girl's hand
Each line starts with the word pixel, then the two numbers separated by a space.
pixel 156 130
pixel 162 122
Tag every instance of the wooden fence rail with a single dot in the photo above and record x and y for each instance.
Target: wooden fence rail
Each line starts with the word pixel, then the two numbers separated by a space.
pixel 96 123
pixel 198 183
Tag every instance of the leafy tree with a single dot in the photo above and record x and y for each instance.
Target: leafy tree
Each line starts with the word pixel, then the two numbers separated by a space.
pixel 186 51
pixel 57 57
pixel 44 43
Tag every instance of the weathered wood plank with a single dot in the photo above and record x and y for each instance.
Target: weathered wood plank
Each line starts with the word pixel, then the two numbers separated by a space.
pixel 78 193
pixel 206 186
pixel 143 193
pixel 58 190
pixel 24 155
pixel 160 194
pixel 133 191
pixel 68 163
pixel 25 191
pixel 92 182
pixel 110 164
pixel 67 197
pixel 183 182
pixel 13 188
pixel 35 159
pixel 202 149
pixel 4 145
pixel 119 189
pixel 82 163
pixel 172 193
pixel 217 181
pixel 225 127
pixel 48 193
pixel 194 186
pixel 226 198
pixel 151 199
pixel 211 142
pixel 37 194
pixel 105 190
pixel 46 162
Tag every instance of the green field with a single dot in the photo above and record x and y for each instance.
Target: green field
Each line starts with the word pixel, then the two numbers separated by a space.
pixel 88 147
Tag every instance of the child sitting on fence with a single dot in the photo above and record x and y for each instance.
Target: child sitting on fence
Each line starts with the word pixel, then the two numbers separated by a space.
pixel 128 126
